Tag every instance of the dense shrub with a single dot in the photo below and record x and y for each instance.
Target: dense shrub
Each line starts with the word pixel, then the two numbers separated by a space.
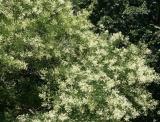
pixel 53 68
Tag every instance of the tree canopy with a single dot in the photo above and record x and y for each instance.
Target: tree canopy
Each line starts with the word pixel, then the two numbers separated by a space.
pixel 55 68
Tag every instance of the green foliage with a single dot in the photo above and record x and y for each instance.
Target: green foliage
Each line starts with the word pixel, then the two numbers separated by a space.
pixel 54 68
pixel 137 19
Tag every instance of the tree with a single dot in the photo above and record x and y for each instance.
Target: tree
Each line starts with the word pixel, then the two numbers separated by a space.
pixel 137 19
pixel 54 67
